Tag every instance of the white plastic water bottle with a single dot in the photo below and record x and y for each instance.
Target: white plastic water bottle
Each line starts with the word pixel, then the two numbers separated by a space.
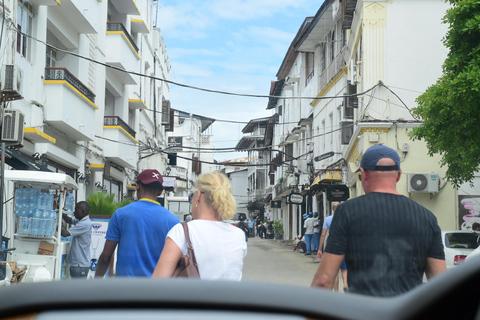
pixel 53 222
pixel 35 225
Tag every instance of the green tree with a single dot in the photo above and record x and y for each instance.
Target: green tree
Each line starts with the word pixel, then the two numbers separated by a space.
pixel 451 107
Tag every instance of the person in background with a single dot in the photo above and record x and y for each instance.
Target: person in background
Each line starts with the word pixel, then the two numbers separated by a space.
pixel 79 256
pixel 219 247
pixel 343 267
pixel 316 232
pixel 308 225
pixel 258 224
pixel 388 240
pixel 139 229
pixel 188 218
pixel 251 226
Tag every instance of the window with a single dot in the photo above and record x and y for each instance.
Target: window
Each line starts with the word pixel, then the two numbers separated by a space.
pixel 323 50
pixel 24 24
pixel 332 46
pixel 309 58
pixel 51 58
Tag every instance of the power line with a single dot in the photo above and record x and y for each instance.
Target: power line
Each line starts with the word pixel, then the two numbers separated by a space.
pixel 182 84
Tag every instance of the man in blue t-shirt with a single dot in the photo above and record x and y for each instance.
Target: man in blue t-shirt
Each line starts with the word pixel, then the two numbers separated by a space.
pixel 139 229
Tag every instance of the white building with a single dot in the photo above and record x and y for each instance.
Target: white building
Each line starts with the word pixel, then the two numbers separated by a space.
pixel 365 62
pixel 190 153
pixel 87 110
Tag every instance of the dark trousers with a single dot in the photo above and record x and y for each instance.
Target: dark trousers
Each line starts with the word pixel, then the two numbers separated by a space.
pixel 79 272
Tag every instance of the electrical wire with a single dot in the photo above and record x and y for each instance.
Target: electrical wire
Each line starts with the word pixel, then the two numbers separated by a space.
pixel 182 84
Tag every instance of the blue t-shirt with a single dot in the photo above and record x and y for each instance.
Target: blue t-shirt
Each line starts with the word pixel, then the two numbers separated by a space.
pixel 140 229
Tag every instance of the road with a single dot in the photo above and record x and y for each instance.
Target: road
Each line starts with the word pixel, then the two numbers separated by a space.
pixel 270 261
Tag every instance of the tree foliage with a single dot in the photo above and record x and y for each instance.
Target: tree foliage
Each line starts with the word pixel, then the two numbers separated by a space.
pixel 451 107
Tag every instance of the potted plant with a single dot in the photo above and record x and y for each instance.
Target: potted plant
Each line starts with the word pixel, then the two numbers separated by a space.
pixel 278 227
pixel 102 204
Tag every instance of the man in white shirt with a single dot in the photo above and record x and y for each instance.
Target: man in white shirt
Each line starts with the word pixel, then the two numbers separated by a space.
pixel 309 226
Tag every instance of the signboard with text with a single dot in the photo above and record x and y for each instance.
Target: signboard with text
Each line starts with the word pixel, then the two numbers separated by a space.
pixel 175 143
pixel 324 156
pixel 295 198
pixel 338 193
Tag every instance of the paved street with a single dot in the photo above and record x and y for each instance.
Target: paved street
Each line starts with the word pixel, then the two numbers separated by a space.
pixel 270 261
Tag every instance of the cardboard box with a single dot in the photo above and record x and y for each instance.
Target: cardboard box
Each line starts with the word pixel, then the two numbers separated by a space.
pixel 13 265
pixel 46 248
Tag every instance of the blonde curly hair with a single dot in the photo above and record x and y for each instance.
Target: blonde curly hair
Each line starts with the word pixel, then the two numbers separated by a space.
pixel 218 193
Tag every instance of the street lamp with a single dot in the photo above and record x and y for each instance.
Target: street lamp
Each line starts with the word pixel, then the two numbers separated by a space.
pixel 168 170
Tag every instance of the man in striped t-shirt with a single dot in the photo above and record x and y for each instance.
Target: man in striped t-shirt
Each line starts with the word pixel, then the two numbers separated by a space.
pixel 387 240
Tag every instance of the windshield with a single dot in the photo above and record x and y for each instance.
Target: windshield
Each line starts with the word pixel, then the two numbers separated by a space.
pixel 129 103
pixel 461 240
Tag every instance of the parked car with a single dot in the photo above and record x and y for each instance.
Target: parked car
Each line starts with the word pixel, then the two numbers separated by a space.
pixel 457 245
pixel 237 218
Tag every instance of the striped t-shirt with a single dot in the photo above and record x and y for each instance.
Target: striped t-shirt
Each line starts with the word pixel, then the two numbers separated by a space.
pixel 386 239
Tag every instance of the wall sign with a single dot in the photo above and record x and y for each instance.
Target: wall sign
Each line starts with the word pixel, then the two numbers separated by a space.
pixel 276 204
pixel 338 193
pixel 295 198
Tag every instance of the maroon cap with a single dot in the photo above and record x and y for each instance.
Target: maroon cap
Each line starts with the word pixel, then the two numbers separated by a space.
pixel 150 176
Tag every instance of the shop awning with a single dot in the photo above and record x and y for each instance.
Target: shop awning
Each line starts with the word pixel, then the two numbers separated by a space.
pixel 18 161
pixel 334 176
pixel 329 178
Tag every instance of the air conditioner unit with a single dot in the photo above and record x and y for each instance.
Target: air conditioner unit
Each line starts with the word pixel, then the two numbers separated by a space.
pixel 11 78
pixel 12 127
pixel 422 182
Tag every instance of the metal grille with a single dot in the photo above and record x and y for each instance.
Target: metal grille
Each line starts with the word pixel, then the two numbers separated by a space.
pixel 118 26
pixel 117 121
pixel 64 74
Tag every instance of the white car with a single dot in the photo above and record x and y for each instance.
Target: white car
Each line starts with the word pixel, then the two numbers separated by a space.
pixel 457 245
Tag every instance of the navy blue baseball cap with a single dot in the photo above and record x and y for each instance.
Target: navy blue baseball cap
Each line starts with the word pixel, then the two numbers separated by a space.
pixel 377 152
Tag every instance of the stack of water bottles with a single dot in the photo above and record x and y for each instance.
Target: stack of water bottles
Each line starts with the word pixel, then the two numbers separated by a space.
pixel 35 212
pixel 70 204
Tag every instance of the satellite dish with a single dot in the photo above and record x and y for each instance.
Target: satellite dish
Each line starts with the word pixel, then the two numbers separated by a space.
pixel 418 182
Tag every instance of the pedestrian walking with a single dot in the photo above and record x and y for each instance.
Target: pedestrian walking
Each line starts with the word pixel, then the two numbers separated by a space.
pixel 308 225
pixel 251 226
pixel 258 224
pixel 219 247
pixel 316 232
pixel 139 229
pixel 323 239
pixel 388 240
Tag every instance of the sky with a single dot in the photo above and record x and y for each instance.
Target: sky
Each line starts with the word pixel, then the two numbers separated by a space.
pixel 228 45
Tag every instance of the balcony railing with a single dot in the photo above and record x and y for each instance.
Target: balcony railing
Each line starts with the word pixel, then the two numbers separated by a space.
pixel 117 121
pixel 118 26
pixel 335 66
pixel 65 75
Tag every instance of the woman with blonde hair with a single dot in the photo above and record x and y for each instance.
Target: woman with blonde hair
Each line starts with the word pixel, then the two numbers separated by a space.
pixel 219 246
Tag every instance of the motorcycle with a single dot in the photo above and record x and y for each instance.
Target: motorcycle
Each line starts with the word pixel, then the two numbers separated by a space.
pixel 270 231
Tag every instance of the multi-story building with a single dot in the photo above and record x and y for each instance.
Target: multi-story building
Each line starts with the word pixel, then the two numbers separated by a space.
pixel 89 73
pixel 348 81
pixel 190 153
pixel 258 179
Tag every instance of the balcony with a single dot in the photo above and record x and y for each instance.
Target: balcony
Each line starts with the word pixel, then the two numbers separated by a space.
pixel 285 187
pixel 80 15
pixel 70 105
pixel 122 53
pixel 126 7
pixel 123 147
pixel 333 69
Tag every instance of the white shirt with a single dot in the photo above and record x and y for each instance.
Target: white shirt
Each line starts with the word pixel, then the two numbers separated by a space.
pixel 219 248
pixel 308 225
